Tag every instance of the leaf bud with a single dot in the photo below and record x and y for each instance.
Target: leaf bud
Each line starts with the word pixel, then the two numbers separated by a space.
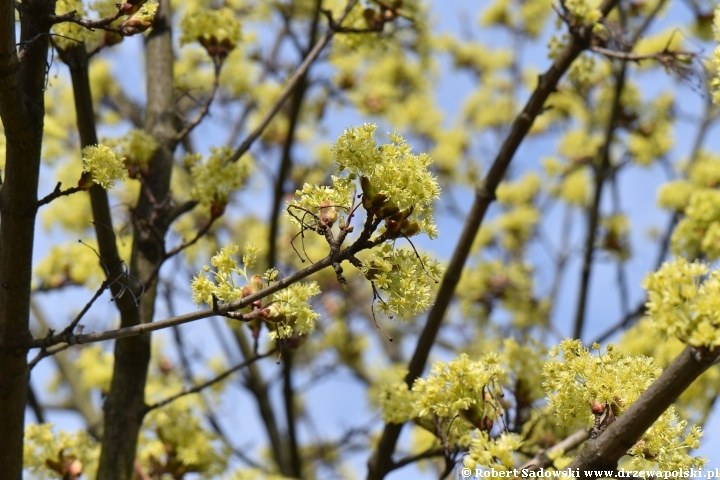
pixel 389 211
pixel 379 200
pixel 392 224
pixel 75 469
pixel 217 209
pixel 597 407
pixel 328 213
pixel 366 203
pixel 256 283
pixel 365 185
pixel 86 181
pixel 412 229
pixel 272 313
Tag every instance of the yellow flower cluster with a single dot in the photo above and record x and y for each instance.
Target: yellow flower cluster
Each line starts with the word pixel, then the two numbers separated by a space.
pixel 396 401
pixel 68 34
pixel 317 200
pixel 694 403
pixel 653 137
pixel 584 12
pixel 287 309
pixel 104 164
pixel 666 445
pixel 520 192
pixel 69 263
pixel 463 387
pixel 715 83
pixel 496 453
pixel 575 379
pixel 509 285
pixel 459 389
pixel 61 455
pixel 698 233
pixel 392 171
pixel 216 30
pixel 680 305
pixel 581 385
pixel 407 279
pixel 529 17
pixel 215 179
pixel 137 146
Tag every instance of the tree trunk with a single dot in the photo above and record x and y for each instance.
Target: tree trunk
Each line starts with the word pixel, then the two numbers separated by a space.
pixel 22 109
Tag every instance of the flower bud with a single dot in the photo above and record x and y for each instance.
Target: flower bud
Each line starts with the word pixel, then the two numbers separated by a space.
pixel 328 213
pixel 597 407
pixel 256 283
pixel 412 229
pixel 365 185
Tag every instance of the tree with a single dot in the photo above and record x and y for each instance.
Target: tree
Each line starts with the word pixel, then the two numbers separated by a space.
pixel 159 180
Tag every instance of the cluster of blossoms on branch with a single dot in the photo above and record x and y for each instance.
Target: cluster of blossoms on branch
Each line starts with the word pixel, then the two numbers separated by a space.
pixel 397 195
pixel 73 27
pixel 287 309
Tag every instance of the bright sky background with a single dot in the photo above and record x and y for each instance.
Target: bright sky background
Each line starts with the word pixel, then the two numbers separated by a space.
pixel 339 402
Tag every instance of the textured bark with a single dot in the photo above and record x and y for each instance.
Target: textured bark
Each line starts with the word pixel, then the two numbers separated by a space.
pixel 22 109
pixel 125 403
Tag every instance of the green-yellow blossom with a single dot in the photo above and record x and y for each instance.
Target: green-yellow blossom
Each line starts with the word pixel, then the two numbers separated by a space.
pixel 104 164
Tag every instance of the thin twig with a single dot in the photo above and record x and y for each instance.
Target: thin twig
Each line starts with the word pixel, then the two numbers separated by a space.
pixel 212 381
pixel 602 172
pixel 542 458
pixel 289 87
pixel 57 193
pixel 205 109
pixel 336 257
pixel 103 24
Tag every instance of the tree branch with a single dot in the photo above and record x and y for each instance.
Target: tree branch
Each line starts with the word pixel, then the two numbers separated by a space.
pixel 602 172
pixel 202 386
pixel 144 328
pixel 543 457
pixel 289 87
pixel 604 452
pixel 381 460
pixel 57 193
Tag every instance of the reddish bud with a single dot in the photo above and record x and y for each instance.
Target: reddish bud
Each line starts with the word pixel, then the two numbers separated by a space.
pixel 597 408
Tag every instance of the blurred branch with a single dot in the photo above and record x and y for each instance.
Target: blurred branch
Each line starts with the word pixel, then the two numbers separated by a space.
pixel 200 387
pixel 120 103
pixel 35 405
pixel 286 161
pixel 543 457
pixel 289 87
pixel 602 173
pixel 205 109
pixel 666 57
pixel 290 416
pixel 257 386
pixel 79 398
